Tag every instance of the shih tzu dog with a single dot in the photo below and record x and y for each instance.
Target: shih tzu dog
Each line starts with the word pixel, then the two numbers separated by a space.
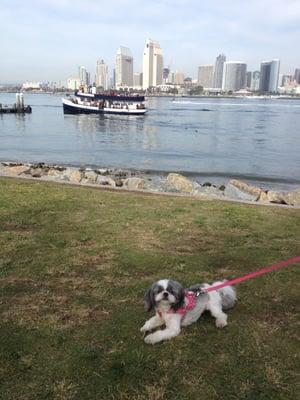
pixel 176 307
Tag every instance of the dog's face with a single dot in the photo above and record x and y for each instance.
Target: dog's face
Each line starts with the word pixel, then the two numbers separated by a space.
pixel 167 292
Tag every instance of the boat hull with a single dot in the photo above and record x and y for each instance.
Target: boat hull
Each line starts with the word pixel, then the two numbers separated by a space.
pixel 73 108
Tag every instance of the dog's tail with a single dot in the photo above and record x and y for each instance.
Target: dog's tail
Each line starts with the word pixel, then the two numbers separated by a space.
pixel 228 295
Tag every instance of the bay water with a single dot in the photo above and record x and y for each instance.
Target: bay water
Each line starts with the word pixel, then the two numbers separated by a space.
pixel 212 139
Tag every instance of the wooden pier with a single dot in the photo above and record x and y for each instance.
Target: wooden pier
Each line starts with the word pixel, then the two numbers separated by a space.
pixel 17 108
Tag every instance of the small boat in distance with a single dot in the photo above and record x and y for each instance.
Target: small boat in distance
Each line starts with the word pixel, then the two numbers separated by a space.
pixel 105 103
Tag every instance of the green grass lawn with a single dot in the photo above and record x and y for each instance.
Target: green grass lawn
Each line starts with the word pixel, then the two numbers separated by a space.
pixel 75 263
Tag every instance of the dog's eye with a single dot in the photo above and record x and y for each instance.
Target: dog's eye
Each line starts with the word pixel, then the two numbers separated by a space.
pixel 159 289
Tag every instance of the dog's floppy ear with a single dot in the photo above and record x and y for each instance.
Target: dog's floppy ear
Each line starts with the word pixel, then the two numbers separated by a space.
pixel 179 294
pixel 149 299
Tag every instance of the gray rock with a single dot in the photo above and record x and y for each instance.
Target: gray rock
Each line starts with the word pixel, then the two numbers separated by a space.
pixel 134 183
pixel 3 168
pixel 248 189
pixel 90 176
pixel 105 180
pixel 37 172
pixel 119 182
pixel 156 183
pixel 120 173
pixel 209 192
pixel 234 193
pixel 40 165
pixel 103 171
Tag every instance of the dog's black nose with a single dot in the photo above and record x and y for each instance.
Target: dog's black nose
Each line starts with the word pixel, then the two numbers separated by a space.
pixel 165 294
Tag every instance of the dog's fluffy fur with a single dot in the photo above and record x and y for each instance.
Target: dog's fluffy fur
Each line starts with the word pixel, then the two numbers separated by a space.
pixel 166 296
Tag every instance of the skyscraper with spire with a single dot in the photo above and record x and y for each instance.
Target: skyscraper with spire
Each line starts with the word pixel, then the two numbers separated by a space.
pixel 152 64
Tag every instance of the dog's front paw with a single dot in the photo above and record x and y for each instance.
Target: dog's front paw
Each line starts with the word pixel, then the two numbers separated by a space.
pixel 145 328
pixel 221 322
pixel 150 339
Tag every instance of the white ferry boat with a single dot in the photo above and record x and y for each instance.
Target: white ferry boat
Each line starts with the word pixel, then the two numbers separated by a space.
pixel 107 103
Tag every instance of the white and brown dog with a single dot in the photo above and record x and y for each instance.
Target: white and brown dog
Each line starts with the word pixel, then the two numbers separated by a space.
pixel 176 307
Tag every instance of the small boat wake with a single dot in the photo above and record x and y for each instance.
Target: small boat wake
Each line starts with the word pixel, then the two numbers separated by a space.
pixel 244 104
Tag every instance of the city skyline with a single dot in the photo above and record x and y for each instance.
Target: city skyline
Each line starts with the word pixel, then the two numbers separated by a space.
pixel 77 33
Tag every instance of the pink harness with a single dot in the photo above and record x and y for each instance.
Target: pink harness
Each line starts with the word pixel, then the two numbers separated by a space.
pixel 190 301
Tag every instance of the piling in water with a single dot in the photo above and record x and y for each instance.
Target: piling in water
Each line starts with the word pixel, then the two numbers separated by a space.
pixel 18 107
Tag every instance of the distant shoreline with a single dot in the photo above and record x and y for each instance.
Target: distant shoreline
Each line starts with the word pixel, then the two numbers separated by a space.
pixel 172 96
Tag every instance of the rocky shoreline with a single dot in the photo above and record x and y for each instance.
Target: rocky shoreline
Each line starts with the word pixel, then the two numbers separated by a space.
pixel 234 190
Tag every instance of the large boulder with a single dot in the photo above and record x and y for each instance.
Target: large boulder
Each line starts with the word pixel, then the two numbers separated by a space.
pixel 263 198
pixel 37 172
pixel 75 176
pixel 89 176
pixel 134 183
pixel 208 192
pixel 293 198
pixel 276 197
pixel 17 169
pixel 54 173
pixel 3 168
pixel 180 183
pixel 238 190
pixel 105 180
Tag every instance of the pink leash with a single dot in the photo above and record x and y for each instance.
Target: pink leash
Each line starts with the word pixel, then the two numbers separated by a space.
pixel 253 274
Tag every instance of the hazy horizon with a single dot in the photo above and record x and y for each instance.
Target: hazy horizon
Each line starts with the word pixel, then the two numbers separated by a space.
pixel 47 40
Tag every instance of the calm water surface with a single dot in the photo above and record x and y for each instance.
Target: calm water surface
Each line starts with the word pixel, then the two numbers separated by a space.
pixel 250 138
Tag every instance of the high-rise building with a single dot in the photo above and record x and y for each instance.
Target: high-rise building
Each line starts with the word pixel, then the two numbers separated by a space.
pixel 218 73
pixel 269 75
pixel 286 80
pixel 248 79
pixel 255 77
pixel 206 76
pixel 234 76
pixel 83 76
pixel 172 78
pixel 179 78
pixel 73 83
pixel 101 78
pixel 152 64
pixel 124 68
pixel 113 78
pixel 138 80
pixel 297 75
pixel 166 73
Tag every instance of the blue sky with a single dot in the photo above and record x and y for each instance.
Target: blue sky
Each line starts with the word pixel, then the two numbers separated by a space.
pixel 46 40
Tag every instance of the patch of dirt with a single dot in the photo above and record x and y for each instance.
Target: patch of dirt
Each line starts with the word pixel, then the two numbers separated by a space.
pixel 15 227
pixel 48 310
